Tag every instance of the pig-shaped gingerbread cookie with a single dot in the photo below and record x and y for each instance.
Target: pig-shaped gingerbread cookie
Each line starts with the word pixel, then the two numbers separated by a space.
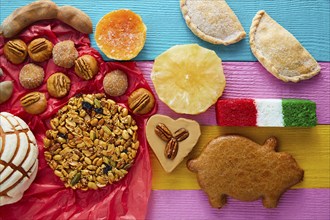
pixel 238 167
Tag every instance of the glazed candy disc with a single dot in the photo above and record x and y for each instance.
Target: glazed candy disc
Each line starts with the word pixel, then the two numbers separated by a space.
pixel 121 34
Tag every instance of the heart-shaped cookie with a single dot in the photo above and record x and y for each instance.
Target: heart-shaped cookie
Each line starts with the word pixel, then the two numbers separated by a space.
pixel 176 137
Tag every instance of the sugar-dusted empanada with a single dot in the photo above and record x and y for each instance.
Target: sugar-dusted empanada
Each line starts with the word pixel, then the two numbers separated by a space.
pixel 212 21
pixel 279 51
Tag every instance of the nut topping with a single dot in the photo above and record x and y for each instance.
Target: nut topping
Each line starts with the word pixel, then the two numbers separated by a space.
pixel 38 45
pixel 181 134
pixel 16 48
pixel 171 149
pixel 30 99
pixel 172 142
pixel 163 132
pixel 34 103
pixel 86 67
pixel 140 102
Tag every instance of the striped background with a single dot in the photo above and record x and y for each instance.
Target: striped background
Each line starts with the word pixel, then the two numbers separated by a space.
pixel 177 195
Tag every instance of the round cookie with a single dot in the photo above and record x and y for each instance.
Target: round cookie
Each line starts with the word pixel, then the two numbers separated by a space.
pixel 31 76
pixel 65 54
pixel 34 103
pixel 15 51
pixel 86 67
pixel 115 83
pixel 141 101
pixel 40 49
pixel 121 34
pixel 58 85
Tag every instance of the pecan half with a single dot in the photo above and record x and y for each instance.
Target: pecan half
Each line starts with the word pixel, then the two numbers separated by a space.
pixel 171 149
pixel 163 132
pixel 17 47
pixel 34 103
pixel 86 67
pixel 140 102
pixel 181 134
pixel 38 45
pixel 30 99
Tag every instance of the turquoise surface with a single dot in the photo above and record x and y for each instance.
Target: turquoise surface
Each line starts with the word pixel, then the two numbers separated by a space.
pixel 307 20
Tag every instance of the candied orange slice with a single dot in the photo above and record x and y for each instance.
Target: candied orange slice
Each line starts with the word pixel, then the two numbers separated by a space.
pixel 121 34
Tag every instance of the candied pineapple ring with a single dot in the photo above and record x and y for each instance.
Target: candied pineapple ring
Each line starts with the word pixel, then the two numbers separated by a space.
pixel 121 34
pixel 188 78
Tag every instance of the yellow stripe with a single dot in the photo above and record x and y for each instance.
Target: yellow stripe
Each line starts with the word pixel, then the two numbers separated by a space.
pixel 309 146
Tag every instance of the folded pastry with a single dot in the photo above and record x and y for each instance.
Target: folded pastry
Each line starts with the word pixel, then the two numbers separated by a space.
pixel 279 51
pixel 212 21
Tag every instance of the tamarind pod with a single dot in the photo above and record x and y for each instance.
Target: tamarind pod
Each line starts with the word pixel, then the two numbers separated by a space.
pixel 6 90
pixel 26 15
pixel 75 18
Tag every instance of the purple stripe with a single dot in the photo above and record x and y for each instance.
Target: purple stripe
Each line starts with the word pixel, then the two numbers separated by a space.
pixel 193 204
pixel 251 80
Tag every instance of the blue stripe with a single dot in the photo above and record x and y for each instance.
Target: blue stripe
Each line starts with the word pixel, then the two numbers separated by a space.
pixel 307 20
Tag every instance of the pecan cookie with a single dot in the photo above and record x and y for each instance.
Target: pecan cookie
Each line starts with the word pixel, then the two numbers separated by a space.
pixel 141 101
pixel 86 67
pixel 40 49
pixel 58 85
pixel 34 103
pixel 15 51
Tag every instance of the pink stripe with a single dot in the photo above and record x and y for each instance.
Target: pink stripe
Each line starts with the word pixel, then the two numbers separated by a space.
pixel 193 204
pixel 251 80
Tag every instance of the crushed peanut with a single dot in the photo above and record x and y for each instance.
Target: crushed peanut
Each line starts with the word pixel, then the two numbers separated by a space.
pixel 92 143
